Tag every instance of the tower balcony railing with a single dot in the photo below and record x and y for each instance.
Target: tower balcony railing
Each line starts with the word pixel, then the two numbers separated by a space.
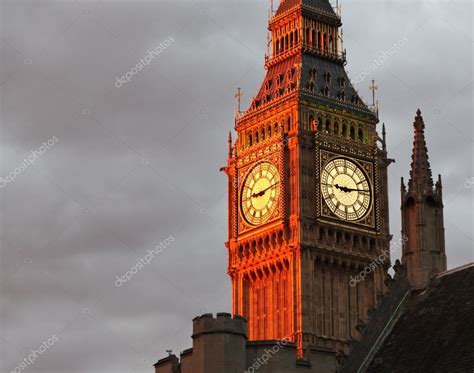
pixel 303 47
pixel 325 52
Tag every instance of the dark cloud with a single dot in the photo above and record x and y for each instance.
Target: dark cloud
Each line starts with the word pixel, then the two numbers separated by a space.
pixel 136 164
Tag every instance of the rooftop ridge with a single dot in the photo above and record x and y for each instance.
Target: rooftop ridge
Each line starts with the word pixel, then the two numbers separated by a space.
pixel 454 270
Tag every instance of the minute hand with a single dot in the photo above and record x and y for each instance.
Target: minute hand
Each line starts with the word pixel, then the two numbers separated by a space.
pixel 347 190
pixel 262 192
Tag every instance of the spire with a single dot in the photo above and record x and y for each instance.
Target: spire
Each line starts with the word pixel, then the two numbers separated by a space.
pixel 420 174
pixel 423 251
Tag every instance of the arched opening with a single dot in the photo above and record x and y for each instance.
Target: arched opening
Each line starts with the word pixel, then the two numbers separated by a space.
pixel 344 130
pixel 320 124
pixel 269 131
pixel 338 237
pixel 308 36
pixel 249 140
pixel 313 38
pixel 372 245
pixel 291 40
pixel 352 133
pixel 328 125
pixel 277 46
pixel 311 123
pixel 336 128
pixel 360 135
pixel 296 36
pixel 286 42
pixel 430 201
pixel 288 124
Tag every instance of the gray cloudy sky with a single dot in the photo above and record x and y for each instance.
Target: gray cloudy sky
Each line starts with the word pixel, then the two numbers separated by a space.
pixel 137 164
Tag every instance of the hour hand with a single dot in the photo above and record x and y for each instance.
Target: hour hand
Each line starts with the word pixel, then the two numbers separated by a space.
pixel 259 194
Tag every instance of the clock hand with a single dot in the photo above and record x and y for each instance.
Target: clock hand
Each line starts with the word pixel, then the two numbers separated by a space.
pixel 349 190
pixel 262 192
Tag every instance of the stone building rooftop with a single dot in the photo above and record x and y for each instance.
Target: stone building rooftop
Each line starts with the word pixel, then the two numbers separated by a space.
pixel 430 330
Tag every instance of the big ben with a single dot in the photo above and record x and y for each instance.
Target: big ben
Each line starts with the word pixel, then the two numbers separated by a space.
pixel 308 198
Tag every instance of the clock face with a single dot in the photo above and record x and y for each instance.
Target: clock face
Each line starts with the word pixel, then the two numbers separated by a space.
pixel 346 189
pixel 260 193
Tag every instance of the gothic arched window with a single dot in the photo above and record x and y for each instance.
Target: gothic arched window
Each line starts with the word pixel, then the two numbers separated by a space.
pixel 352 133
pixel 310 122
pixel 328 125
pixel 320 124
pixel 327 78
pixel 336 127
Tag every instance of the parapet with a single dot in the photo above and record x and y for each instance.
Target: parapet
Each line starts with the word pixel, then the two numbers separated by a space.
pixel 222 323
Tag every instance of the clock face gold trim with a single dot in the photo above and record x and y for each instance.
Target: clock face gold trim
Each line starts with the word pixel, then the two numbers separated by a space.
pixel 346 189
pixel 260 193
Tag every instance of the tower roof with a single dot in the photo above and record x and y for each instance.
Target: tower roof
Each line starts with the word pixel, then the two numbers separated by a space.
pixel 306 63
pixel 420 174
pixel 323 5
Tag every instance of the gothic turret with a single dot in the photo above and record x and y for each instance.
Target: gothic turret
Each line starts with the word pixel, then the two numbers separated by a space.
pixel 422 215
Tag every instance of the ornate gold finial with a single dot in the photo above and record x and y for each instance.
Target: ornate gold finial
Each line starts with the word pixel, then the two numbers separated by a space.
pixel 373 88
pixel 375 103
pixel 238 95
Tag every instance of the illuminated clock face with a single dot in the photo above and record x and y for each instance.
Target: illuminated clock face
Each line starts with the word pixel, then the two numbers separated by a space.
pixel 346 190
pixel 260 193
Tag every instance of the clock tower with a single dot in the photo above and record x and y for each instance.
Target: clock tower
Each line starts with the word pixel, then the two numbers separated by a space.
pixel 308 200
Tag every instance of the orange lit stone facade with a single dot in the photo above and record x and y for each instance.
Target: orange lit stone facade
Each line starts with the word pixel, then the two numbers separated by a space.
pixel 291 266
